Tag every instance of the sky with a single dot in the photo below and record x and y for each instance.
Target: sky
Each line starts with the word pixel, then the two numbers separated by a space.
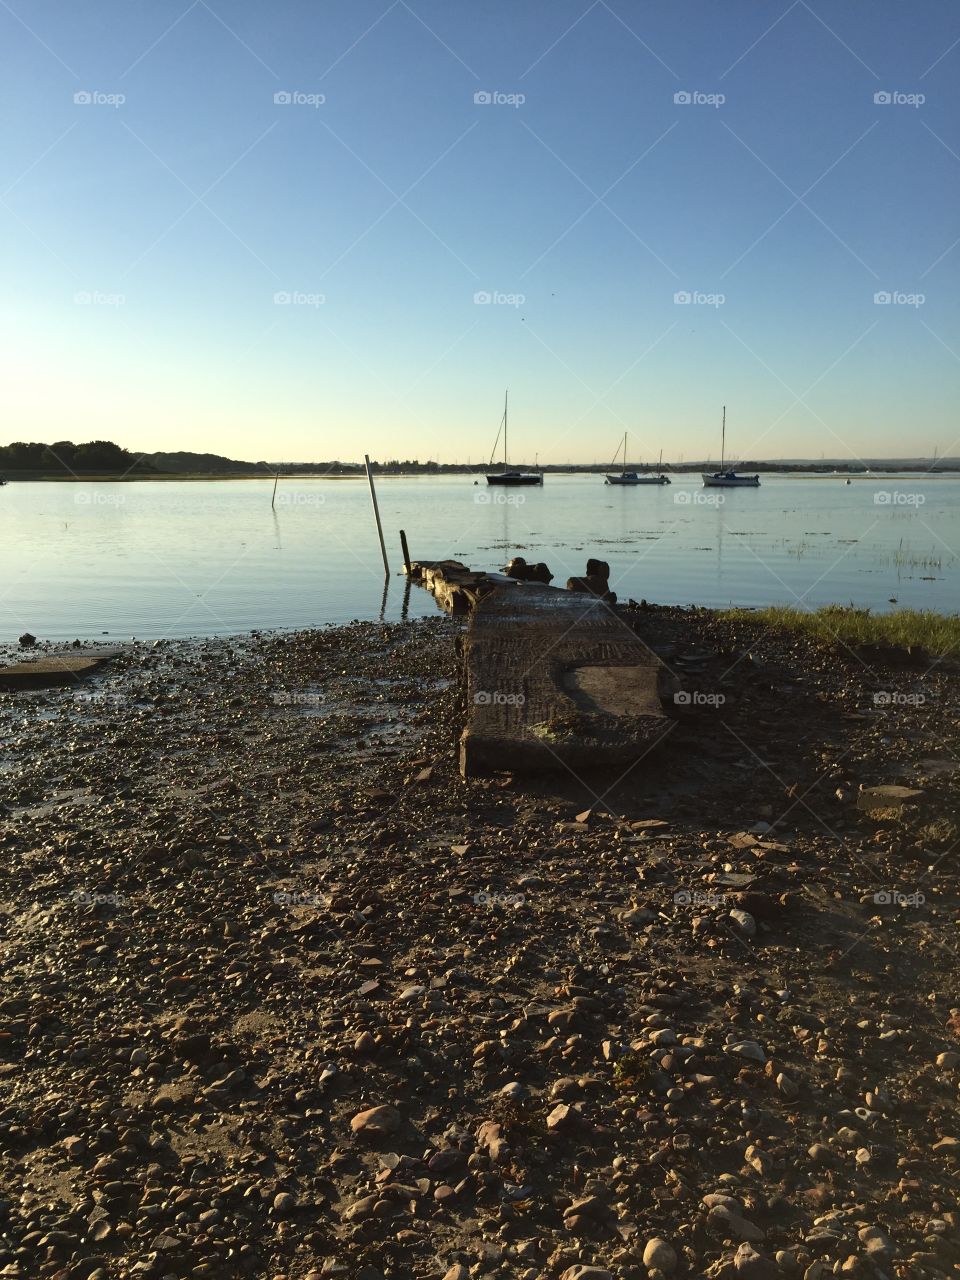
pixel 312 230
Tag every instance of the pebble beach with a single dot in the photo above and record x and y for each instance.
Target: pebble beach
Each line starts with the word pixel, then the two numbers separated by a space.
pixel 283 996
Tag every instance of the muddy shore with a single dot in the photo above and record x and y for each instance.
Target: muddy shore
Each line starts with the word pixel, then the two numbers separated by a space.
pixel 283 996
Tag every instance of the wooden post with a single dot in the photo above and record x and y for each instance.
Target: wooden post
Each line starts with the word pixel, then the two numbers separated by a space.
pixel 274 497
pixel 406 552
pixel 376 512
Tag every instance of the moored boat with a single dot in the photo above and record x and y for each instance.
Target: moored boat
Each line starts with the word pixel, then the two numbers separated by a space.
pixel 634 477
pixel 510 476
pixel 728 479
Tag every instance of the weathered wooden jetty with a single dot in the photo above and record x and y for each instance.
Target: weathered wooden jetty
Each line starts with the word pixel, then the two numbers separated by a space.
pixel 552 678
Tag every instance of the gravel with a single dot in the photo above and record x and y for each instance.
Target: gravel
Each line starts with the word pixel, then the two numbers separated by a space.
pixel 282 996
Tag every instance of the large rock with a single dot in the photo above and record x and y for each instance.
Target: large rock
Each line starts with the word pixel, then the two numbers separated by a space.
pixel 592 585
pixel 376 1122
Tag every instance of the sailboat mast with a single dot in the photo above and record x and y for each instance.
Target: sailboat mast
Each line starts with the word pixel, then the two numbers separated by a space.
pixel 723 436
pixel 624 471
pixel 506 397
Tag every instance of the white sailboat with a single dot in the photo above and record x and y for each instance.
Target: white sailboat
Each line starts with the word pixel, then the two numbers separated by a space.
pixel 633 477
pixel 728 479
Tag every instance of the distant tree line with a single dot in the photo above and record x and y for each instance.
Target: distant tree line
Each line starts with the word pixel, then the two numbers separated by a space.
pixel 63 456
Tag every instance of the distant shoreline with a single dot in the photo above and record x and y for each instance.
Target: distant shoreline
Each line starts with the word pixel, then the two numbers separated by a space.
pixel 165 477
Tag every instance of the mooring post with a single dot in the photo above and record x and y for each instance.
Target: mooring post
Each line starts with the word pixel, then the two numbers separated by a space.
pixel 406 552
pixel 376 512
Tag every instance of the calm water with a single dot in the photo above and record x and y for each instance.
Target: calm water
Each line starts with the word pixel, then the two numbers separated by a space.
pixel 197 558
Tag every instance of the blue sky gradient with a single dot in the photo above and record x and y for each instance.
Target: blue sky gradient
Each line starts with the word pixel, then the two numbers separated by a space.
pixel 146 242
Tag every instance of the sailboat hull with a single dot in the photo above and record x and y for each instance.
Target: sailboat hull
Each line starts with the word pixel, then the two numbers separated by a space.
pixel 514 478
pixel 728 480
pixel 632 479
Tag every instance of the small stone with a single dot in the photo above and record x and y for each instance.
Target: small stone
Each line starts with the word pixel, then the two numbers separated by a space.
pixel 733 1223
pixel 361 1209
pixel 561 1117
pixel 877 1243
pixel 753 1265
pixel 581 1272
pixel 284 1202
pixel 948 1061
pixel 376 1121
pixel 748 1049
pixel 514 1091
pixel 744 922
pixel 787 1086
pixel 457 1272
pixel 660 1254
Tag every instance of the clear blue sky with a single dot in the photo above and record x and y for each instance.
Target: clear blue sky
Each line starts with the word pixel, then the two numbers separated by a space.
pixel 183 210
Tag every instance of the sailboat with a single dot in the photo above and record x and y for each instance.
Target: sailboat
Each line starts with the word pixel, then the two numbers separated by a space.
pixel 728 479
pixel 632 477
pixel 508 476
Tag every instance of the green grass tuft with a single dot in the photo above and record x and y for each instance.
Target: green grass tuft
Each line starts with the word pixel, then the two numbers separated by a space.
pixel 937 633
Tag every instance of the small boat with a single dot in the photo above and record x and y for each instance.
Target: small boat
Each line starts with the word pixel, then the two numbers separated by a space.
pixel 508 476
pixel 633 477
pixel 728 479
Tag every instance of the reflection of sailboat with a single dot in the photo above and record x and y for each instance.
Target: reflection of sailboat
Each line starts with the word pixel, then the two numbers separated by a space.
pixel 633 477
pixel 506 476
pixel 728 479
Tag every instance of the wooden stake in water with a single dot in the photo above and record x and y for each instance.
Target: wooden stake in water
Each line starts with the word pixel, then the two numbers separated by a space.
pixel 376 512
pixel 406 551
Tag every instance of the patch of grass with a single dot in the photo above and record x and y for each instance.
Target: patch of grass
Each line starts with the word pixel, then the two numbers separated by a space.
pixel 937 633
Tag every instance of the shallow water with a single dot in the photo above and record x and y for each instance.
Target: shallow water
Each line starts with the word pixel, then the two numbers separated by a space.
pixel 177 558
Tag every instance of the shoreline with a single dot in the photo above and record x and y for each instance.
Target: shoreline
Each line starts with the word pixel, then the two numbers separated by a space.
pixel 797 473
pixel 286 996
